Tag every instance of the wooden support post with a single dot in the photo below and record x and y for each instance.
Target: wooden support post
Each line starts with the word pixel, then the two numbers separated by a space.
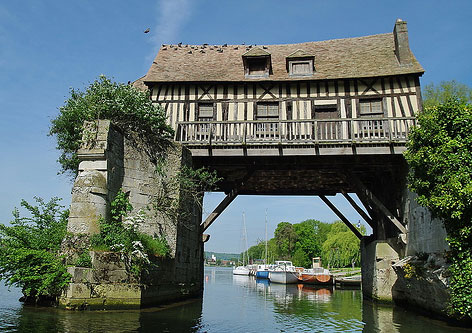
pixel 364 191
pixel 225 202
pixel 341 216
pixel 218 210
pixel 358 209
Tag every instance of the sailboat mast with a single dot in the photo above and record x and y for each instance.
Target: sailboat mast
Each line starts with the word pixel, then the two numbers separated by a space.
pixel 245 237
pixel 265 260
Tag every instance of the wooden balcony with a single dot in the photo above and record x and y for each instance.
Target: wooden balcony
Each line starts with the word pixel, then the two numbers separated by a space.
pixel 296 137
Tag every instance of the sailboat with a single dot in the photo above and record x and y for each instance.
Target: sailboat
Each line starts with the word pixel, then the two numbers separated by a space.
pixel 243 270
pixel 263 270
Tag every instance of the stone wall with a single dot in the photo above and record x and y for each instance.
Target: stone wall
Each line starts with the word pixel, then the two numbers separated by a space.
pixel 110 161
pixel 378 275
pixel 425 234
pixel 414 275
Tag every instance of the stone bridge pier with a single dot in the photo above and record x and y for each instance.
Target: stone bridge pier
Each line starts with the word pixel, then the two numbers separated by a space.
pixel 110 161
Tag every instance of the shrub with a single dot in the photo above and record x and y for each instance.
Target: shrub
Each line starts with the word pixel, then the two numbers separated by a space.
pixel 29 249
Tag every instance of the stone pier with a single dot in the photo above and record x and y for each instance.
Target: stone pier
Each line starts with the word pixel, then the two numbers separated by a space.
pixel 110 161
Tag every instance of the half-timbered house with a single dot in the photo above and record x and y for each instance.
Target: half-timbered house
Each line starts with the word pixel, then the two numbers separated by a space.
pixel 232 99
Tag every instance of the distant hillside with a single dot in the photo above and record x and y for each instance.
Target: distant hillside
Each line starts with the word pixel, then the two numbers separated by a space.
pixel 222 256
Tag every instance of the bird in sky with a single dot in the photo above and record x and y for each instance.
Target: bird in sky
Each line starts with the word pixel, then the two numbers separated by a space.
pixel 147 30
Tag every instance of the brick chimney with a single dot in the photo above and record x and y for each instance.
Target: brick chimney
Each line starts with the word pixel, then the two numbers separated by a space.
pixel 402 46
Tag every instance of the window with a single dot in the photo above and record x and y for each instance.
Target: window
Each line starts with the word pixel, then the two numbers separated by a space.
pixel 372 108
pixel 205 114
pixel 257 66
pixel 256 63
pixel 300 63
pixel 301 67
pixel 269 112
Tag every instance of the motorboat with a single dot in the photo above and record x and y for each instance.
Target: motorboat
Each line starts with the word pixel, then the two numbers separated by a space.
pixel 317 274
pixel 263 271
pixel 283 272
pixel 241 270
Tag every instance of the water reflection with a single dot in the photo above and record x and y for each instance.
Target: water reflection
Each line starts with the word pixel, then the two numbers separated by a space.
pixel 180 317
pixel 231 304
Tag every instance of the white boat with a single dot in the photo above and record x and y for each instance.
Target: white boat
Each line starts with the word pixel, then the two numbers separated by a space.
pixel 263 271
pixel 241 270
pixel 283 272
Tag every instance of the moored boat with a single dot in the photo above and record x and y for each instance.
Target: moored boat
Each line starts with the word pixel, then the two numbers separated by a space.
pixel 263 271
pixel 241 270
pixel 349 281
pixel 283 272
pixel 317 274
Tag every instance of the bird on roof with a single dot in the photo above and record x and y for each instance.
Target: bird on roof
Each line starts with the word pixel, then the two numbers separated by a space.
pixel 147 30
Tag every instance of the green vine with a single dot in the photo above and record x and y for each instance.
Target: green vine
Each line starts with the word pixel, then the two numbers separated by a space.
pixel 129 108
pixel 440 161
pixel 189 183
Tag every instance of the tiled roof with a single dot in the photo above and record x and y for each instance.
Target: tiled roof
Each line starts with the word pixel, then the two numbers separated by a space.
pixel 256 52
pixel 334 59
pixel 299 54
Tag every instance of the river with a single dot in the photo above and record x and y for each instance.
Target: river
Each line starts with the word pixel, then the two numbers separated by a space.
pixel 230 304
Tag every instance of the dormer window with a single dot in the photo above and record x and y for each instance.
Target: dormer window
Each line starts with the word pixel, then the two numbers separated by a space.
pixel 300 63
pixel 256 63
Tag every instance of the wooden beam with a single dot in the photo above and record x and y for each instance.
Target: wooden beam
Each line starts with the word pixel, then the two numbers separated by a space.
pixel 341 216
pixel 376 202
pixel 225 202
pixel 218 210
pixel 358 209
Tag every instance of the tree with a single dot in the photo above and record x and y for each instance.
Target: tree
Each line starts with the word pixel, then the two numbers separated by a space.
pixel 310 237
pixel 435 95
pixel 341 247
pixel 285 237
pixel 439 154
pixel 29 250
pixel 128 107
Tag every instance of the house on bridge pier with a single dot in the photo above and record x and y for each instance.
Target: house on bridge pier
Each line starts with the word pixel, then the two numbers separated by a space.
pixel 314 118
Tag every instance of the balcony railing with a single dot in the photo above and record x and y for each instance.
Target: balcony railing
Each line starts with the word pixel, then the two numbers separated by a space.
pixel 322 131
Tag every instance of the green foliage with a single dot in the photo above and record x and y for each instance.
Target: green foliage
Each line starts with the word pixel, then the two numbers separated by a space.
pixel 84 260
pixel 29 249
pixel 439 155
pixel 438 94
pixel 126 106
pixel 188 184
pixel 440 159
pixel 120 233
pixel 311 234
pixel 301 242
pixel 285 238
pixel 341 247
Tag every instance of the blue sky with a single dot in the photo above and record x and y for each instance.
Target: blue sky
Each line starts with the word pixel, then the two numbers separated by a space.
pixel 46 47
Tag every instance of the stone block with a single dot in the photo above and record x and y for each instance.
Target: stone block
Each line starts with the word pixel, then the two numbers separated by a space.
pixel 93 165
pixel 82 225
pixel 78 290
pixel 80 274
pixel 107 261
pixel 112 276
pixel 118 291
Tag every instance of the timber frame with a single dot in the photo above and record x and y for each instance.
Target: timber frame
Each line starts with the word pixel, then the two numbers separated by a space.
pixel 341 127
